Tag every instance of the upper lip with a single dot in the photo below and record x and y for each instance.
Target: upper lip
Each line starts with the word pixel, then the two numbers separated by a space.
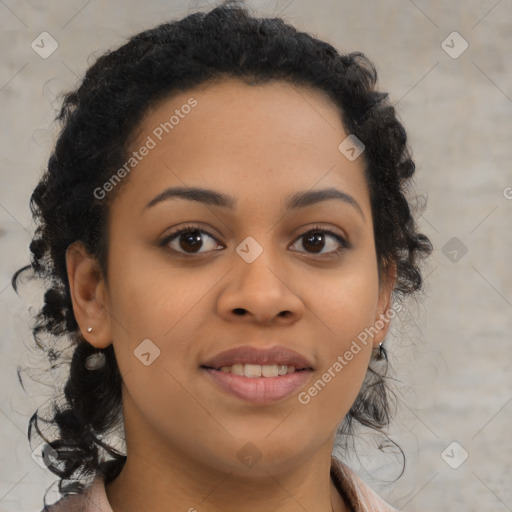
pixel 247 354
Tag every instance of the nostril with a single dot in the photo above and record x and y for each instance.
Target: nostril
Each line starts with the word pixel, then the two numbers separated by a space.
pixel 239 311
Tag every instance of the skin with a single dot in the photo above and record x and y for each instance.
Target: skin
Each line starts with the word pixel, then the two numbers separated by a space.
pixel 259 144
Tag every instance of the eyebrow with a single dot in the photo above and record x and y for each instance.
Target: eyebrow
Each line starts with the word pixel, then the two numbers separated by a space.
pixel 212 197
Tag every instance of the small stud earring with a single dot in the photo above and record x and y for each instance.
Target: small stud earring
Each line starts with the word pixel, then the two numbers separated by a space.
pixel 89 329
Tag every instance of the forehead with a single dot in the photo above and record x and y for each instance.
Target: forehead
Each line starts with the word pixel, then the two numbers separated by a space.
pixel 233 113
pixel 262 140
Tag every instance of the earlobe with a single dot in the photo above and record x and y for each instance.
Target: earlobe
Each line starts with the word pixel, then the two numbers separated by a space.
pixel 88 295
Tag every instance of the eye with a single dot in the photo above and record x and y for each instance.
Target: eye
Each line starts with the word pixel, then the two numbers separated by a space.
pixel 318 239
pixel 188 240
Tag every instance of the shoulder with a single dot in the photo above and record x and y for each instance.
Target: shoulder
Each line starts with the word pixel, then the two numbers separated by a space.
pixel 361 497
pixel 92 499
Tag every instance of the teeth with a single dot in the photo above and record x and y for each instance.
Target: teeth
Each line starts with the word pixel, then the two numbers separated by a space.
pixel 252 370
pixel 258 370
pixel 237 369
pixel 270 370
pixel 282 369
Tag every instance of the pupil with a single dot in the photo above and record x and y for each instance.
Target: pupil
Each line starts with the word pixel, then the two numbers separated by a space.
pixel 193 239
pixel 315 240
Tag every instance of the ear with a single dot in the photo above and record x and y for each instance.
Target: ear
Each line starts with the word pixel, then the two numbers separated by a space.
pixel 88 295
pixel 383 317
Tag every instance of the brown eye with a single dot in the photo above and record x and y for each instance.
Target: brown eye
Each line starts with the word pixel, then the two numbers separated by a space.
pixel 317 239
pixel 189 240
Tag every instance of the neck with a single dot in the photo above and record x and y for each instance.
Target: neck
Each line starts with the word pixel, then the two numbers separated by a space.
pixel 156 480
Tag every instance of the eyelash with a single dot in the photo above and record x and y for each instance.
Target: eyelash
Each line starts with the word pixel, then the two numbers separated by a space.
pixel 314 230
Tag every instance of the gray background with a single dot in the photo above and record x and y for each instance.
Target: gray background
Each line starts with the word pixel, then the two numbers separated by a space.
pixel 451 351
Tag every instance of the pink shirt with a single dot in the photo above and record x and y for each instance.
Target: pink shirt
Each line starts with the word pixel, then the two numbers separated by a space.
pixel 355 492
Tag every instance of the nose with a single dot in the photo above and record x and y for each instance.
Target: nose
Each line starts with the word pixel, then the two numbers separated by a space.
pixel 260 292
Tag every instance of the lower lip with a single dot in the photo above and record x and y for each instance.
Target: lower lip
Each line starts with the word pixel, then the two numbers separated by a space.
pixel 259 390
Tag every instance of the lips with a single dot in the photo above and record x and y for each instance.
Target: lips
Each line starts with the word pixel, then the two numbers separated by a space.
pixel 258 376
pixel 277 355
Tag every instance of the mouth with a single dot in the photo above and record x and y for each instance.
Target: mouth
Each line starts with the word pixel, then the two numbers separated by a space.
pixel 258 376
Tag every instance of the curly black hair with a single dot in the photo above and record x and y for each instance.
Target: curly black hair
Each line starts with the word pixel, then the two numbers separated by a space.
pixel 97 126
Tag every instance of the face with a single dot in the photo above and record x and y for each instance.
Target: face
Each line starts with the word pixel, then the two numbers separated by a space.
pixel 254 270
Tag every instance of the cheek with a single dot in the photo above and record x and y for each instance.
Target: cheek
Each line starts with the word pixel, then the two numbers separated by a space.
pixel 345 305
pixel 346 309
pixel 344 357
pixel 152 299
pixel 165 305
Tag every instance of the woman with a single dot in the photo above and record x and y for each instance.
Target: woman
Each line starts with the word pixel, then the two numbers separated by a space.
pixel 224 227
